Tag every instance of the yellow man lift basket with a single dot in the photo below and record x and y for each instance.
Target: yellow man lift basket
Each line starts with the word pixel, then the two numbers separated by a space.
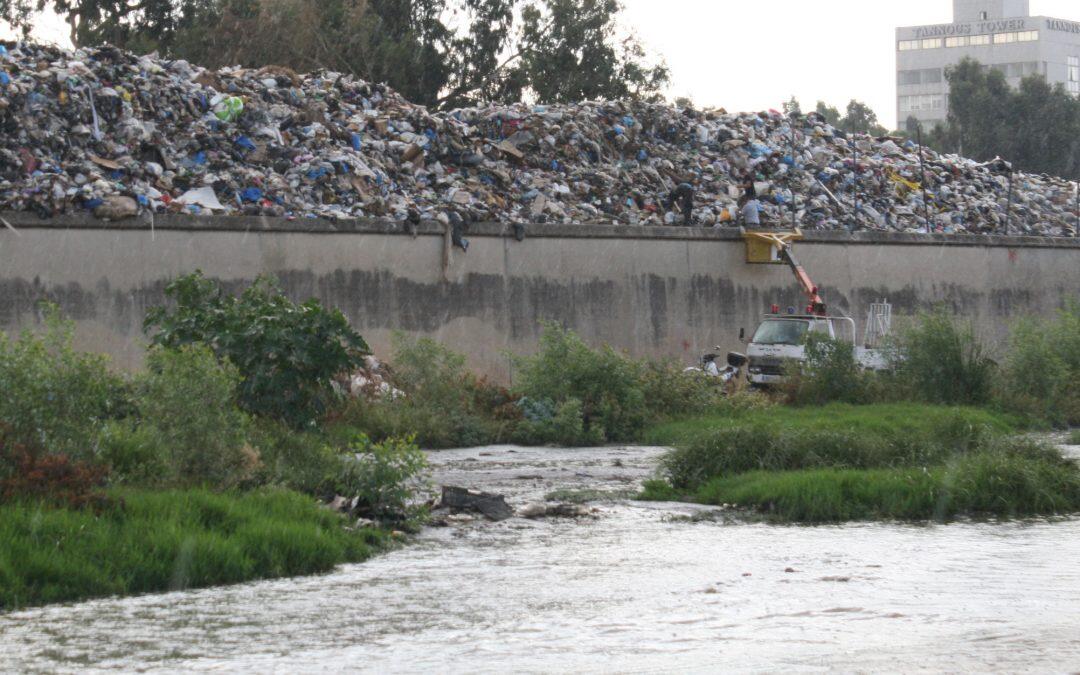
pixel 763 247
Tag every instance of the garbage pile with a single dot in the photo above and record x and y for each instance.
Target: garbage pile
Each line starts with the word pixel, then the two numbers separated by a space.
pixel 117 134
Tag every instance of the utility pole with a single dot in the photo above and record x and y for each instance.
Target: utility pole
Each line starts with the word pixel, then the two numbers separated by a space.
pixel 794 198
pixel 1076 232
pixel 855 187
pixel 922 180
pixel 1008 206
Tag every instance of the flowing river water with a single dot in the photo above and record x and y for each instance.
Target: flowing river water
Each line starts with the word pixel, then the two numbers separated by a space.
pixel 634 588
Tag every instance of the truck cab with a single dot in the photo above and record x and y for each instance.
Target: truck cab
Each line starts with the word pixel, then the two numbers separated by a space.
pixel 779 339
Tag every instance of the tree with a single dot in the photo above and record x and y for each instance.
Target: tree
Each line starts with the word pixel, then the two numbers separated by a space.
pixel 446 53
pixel 861 119
pixel 568 53
pixel 830 113
pixel 1036 126
pixel 792 107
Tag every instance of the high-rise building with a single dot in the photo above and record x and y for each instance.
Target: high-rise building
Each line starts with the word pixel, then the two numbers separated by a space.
pixel 999 34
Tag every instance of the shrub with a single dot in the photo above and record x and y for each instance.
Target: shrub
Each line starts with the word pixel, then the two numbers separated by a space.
pixel 670 391
pixel 54 397
pixel 608 384
pixel 301 461
pixel 829 374
pixel 548 424
pixel 444 406
pixel 54 478
pixel 943 362
pixel 132 453
pixel 187 402
pixel 1043 367
pixel 287 354
pixel 386 477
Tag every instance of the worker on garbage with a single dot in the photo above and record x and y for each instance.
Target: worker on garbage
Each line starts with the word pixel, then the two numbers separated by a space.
pixel 683 195
pixel 751 208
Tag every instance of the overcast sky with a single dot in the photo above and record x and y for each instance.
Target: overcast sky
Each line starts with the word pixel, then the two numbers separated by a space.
pixel 753 55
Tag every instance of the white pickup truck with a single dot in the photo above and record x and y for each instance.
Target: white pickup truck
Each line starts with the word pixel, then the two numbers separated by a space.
pixel 779 339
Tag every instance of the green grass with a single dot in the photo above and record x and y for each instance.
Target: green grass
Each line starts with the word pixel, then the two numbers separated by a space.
pixel 160 541
pixel 1074 438
pixel 834 436
pixel 889 420
pixel 989 483
pixel 841 462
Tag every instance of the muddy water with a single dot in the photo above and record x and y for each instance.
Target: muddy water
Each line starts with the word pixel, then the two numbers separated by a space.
pixel 637 588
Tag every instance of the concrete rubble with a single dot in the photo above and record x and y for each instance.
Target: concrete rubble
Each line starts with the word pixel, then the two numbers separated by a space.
pixel 119 135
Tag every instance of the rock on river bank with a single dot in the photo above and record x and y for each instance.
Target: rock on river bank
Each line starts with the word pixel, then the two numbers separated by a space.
pixel 635 588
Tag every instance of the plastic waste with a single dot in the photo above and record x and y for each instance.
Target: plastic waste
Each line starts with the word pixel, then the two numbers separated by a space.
pixel 100 123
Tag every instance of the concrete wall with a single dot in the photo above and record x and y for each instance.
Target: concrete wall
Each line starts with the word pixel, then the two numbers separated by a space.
pixel 653 291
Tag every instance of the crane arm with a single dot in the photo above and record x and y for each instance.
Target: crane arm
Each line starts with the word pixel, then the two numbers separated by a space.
pixel 816 305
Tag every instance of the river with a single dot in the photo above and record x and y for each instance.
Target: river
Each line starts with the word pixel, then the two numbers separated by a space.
pixel 635 588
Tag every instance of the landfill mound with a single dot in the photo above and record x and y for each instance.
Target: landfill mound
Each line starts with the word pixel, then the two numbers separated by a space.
pixel 118 134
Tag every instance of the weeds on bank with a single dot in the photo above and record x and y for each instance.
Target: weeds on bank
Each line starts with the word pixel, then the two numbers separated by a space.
pixel 996 483
pixel 567 394
pixel 169 540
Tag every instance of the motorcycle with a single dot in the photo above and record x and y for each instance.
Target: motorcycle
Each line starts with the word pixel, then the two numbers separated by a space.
pixel 726 375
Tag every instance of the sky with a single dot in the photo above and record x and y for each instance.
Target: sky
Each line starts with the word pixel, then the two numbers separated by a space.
pixel 755 55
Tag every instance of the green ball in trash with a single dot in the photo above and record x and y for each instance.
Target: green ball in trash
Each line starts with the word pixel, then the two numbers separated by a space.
pixel 229 109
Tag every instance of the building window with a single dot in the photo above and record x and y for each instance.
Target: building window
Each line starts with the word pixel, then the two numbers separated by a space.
pixel 914 77
pixel 923 103
pixel 1022 36
pixel 983 16
pixel 932 43
pixel 1074 75
pixel 957 41
pixel 908 45
pixel 979 40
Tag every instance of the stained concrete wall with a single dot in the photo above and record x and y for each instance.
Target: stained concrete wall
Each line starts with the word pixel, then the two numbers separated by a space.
pixel 652 291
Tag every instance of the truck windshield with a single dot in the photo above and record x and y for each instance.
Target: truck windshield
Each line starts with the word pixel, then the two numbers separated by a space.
pixel 781 332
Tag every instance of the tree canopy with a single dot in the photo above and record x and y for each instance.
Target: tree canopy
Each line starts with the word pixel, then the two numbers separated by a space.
pixel 446 53
pixel 1036 126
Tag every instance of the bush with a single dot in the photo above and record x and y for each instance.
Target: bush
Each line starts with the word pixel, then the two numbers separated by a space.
pixel 56 479
pixel 1043 367
pixel 548 424
pixel 287 354
pixel 301 461
pixel 53 397
pixel 608 384
pixel 187 402
pixel 670 391
pixel 445 406
pixel 944 363
pixel 829 374
pixel 386 478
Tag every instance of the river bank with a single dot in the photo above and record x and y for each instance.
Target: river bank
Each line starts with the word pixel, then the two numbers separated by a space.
pixel 637 587
pixel 141 541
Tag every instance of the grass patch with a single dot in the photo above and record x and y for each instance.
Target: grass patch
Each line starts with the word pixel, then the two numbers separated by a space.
pixel 834 436
pixel 887 420
pixel 840 462
pixel 990 484
pixel 1074 437
pixel 163 541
